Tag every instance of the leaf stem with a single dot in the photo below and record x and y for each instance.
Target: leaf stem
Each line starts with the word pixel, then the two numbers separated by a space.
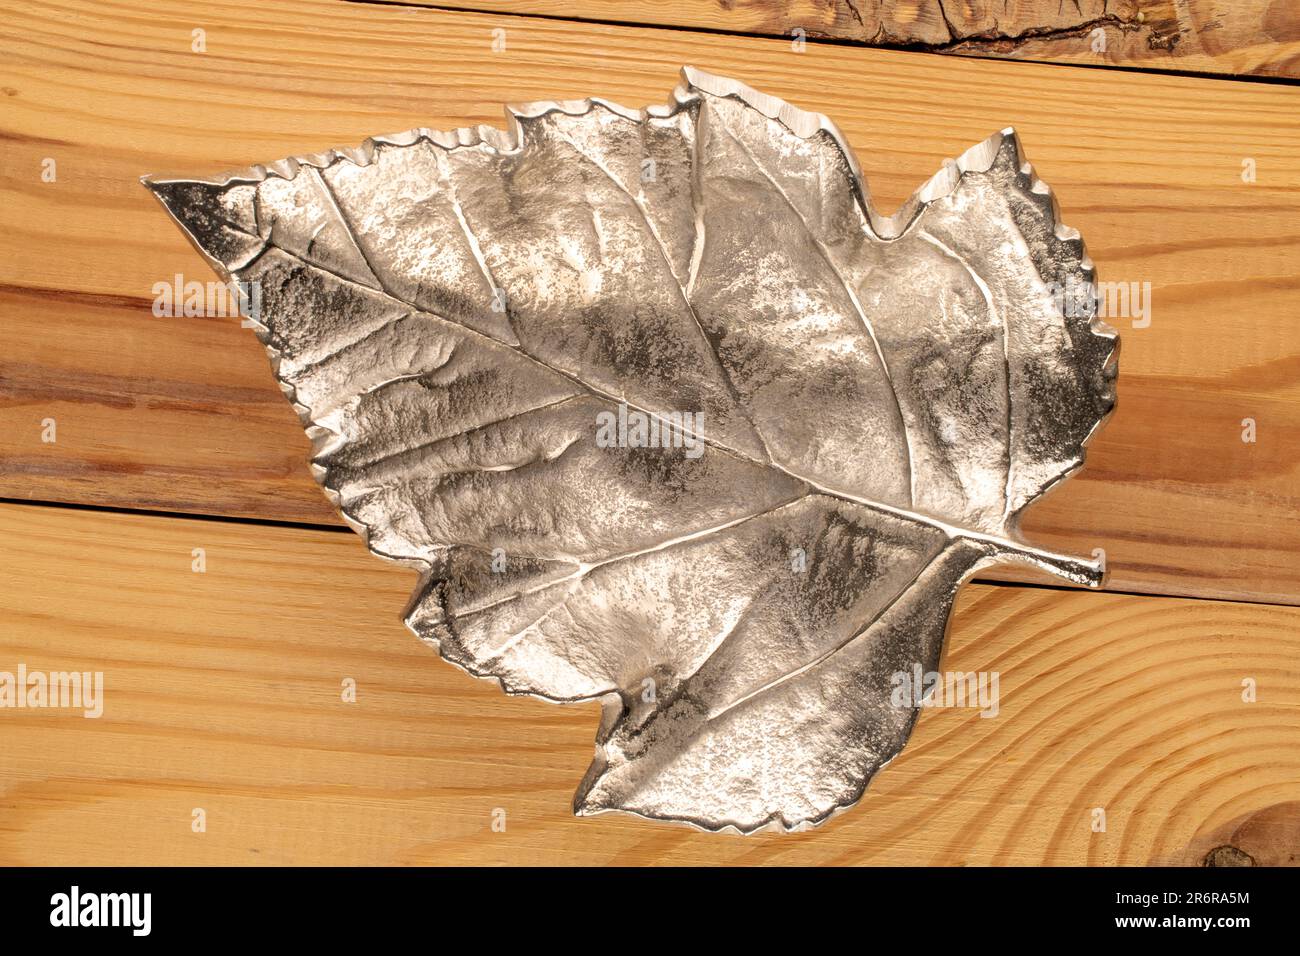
pixel 1083 571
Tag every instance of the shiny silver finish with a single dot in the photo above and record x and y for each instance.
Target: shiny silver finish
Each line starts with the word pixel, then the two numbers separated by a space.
pixel 870 405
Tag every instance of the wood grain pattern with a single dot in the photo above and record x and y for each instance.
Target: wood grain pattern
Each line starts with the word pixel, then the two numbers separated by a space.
pixel 182 414
pixel 222 690
pixel 1232 37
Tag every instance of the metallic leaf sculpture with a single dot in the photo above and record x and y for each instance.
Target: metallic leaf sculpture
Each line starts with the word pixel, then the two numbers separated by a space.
pixel 669 416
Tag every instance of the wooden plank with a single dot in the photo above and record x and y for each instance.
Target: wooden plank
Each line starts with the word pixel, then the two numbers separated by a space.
pixel 174 414
pixel 1230 37
pixel 222 691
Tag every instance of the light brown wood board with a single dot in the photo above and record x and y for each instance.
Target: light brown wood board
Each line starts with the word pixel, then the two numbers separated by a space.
pixel 182 414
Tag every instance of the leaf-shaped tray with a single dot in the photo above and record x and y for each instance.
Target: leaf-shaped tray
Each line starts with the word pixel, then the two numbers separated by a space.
pixel 668 415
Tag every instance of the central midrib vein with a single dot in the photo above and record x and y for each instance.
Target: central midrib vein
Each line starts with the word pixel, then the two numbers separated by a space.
pixel 1068 567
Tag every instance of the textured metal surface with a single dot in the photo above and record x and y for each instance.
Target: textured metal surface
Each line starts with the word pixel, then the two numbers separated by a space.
pixel 849 414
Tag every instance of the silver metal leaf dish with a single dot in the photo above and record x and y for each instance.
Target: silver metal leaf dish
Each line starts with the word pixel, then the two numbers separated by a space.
pixel 667 415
